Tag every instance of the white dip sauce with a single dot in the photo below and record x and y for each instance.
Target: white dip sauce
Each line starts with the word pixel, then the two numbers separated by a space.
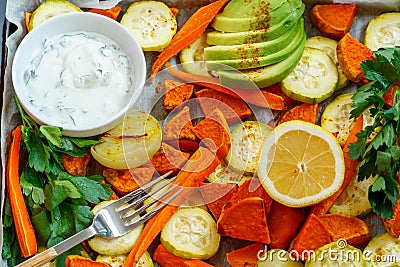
pixel 79 79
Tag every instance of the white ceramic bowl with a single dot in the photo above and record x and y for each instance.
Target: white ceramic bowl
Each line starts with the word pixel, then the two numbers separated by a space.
pixel 77 22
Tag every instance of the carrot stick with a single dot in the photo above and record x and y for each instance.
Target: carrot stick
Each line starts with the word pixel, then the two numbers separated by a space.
pixel 112 13
pixel 350 171
pixel 190 31
pixel 27 18
pixel 259 98
pixel 23 226
pixel 200 165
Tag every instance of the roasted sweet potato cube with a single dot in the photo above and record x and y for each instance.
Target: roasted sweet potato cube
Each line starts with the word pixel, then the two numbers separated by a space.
pixel 168 159
pixel 127 180
pixel 76 165
pixel 179 126
pixel 246 256
pixel 175 93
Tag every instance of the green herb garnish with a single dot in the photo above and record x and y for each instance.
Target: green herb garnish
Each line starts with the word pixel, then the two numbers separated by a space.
pixel 381 156
pixel 58 202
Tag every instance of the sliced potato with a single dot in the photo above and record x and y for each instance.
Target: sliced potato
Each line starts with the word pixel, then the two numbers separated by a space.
pixel 314 78
pixel 246 142
pixel 191 233
pixel 119 260
pixel 383 31
pixel 113 246
pixel 383 250
pixel 192 57
pixel 131 143
pixel 152 24
pixel 329 46
pixel 49 9
pixel 336 118
pixel 354 199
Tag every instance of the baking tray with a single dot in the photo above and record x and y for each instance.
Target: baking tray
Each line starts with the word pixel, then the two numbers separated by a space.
pixel 366 10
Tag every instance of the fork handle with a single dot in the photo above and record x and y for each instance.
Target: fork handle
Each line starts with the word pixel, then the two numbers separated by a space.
pixel 51 253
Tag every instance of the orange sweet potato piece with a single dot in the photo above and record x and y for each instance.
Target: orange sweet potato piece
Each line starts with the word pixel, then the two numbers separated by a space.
pixel 276 89
pixel 76 165
pixel 167 259
pixel 213 131
pixel 245 220
pixel 311 236
pixel 283 224
pixel 351 53
pixel 125 181
pixel 216 196
pixel 343 226
pixel 234 109
pixel 333 20
pixel 304 112
pixel 179 126
pixel 175 93
pixel 112 13
pixel 168 159
pixel 252 188
pixel 246 256
pixel 79 261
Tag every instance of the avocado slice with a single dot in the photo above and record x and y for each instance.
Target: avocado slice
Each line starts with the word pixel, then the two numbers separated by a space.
pixel 247 9
pixel 225 52
pixel 260 20
pixel 264 76
pixel 256 62
pixel 235 38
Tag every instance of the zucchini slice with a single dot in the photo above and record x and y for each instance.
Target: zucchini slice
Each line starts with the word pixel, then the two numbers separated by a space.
pixel 51 8
pixel 246 142
pixel 192 57
pixel 329 46
pixel 383 250
pixel 191 233
pixel 119 260
pixel 224 174
pixel 152 24
pixel 336 118
pixel 313 80
pixel 383 31
pixel 354 199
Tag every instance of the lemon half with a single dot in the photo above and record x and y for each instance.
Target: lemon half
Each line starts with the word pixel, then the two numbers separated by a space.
pixel 301 164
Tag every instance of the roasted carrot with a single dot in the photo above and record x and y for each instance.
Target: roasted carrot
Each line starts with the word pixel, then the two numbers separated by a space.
pixel 200 165
pixel 190 31
pixel 351 53
pixel 27 18
pixel 349 173
pixel 167 259
pixel 259 98
pixel 112 13
pixel 23 226
pixel 246 256
pixel 79 261
pixel 333 20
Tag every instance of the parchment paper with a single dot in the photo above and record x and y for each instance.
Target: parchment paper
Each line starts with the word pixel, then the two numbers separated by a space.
pixel 366 10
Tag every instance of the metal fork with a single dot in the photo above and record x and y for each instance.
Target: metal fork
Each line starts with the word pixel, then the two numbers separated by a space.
pixel 115 219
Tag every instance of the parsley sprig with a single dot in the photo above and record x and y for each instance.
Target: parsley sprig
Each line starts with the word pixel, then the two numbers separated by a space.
pixel 58 202
pixel 381 156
